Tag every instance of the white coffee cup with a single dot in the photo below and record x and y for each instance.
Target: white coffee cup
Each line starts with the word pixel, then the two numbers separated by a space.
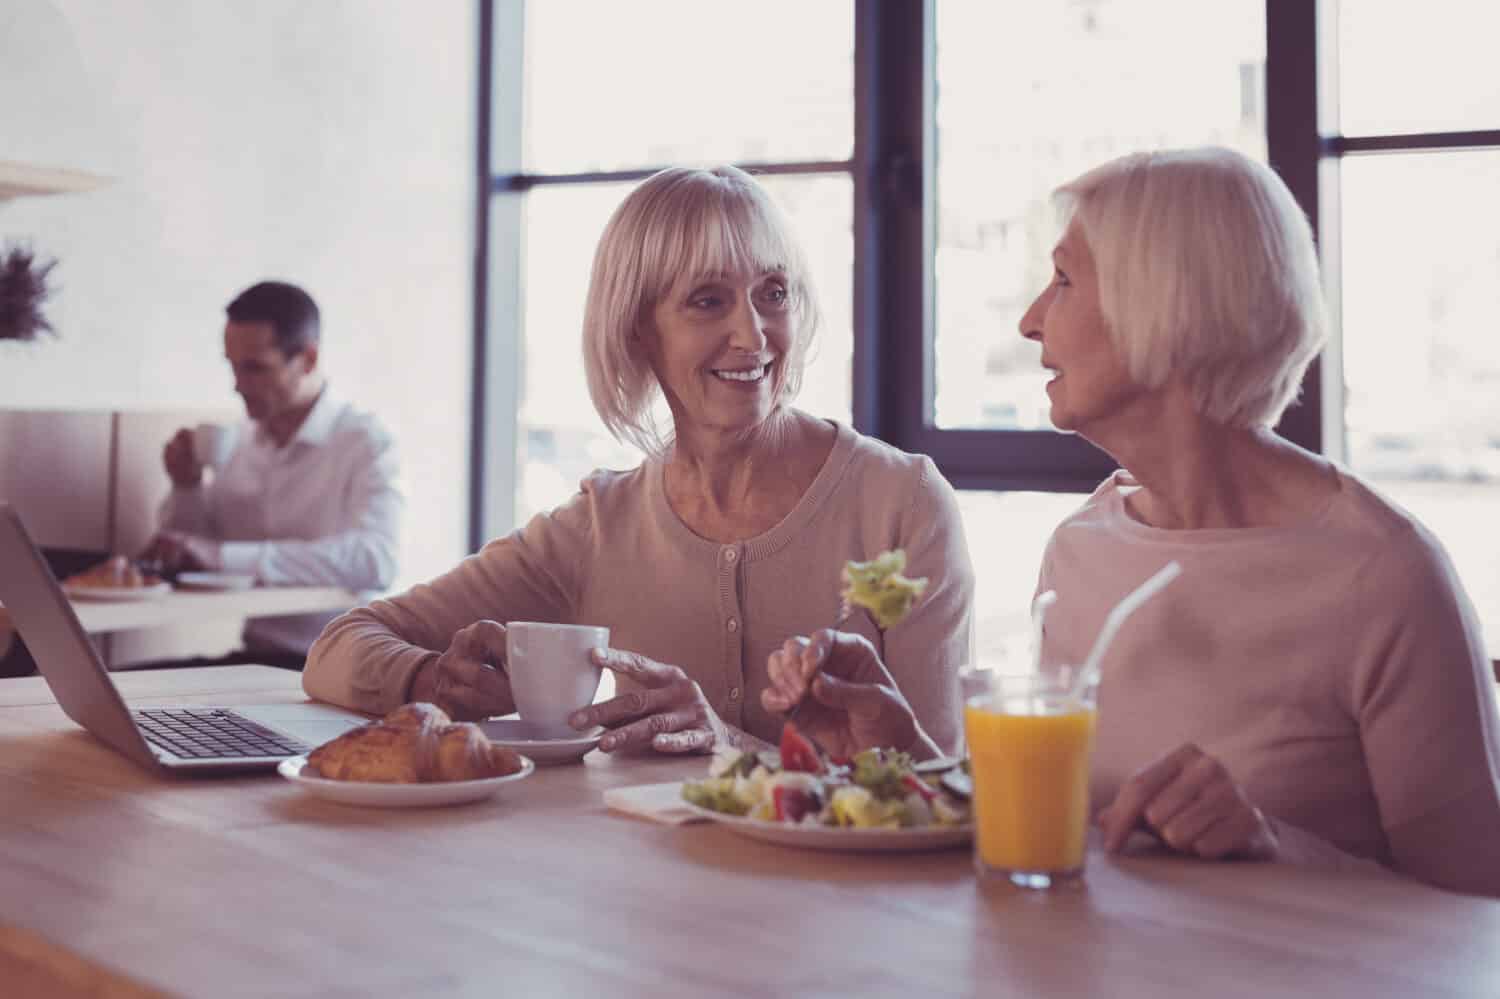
pixel 551 675
pixel 212 443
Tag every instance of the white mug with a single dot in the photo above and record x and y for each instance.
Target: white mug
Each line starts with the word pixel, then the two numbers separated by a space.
pixel 212 443
pixel 551 674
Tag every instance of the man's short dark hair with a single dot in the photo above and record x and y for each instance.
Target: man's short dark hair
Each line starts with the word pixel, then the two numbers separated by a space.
pixel 292 313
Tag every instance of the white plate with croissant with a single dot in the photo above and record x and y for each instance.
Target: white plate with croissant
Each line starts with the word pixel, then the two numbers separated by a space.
pixel 369 793
pixel 414 757
pixel 149 591
pixel 116 578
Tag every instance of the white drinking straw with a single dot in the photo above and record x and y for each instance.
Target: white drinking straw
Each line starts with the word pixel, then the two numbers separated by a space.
pixel 1038 613
pixel 1090 672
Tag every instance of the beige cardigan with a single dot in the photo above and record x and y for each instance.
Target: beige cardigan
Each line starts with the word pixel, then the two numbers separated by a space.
pixel 617 555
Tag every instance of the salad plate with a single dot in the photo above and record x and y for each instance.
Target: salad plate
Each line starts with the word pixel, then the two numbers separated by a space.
pixel 375 795
pixel 813 836
pixel 875 802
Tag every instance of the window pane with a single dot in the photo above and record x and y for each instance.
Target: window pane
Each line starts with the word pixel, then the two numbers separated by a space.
pixel 822 212
pixel 561 438
pixel 1418 67
pixel 1007 533
pixel 1077 84
pixel 612 85
pixel 1421 307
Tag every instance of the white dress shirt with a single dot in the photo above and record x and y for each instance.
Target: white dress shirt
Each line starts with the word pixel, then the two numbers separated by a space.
pixel 324 510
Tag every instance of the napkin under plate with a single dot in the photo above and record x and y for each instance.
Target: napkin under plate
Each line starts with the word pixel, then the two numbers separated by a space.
pixel 657 802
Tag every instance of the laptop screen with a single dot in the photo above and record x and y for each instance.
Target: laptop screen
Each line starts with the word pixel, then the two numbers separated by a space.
pixel 63 652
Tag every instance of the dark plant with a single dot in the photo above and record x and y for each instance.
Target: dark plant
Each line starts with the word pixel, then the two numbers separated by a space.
pixel 23 290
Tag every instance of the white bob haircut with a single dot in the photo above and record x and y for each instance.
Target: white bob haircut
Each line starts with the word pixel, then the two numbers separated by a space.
pixel 1207 272
pixel 681 225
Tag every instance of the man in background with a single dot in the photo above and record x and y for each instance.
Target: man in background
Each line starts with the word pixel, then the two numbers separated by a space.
pixel 307 490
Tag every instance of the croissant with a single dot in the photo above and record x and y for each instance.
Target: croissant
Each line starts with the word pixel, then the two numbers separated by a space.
pixel 416 743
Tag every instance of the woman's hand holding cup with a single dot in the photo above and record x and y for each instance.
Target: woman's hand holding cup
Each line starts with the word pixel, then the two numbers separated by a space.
pixel 468 680
pixel 669 713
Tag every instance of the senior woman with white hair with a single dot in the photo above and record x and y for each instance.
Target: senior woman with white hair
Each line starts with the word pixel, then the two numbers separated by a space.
pixel 1314 687
pixel 730 536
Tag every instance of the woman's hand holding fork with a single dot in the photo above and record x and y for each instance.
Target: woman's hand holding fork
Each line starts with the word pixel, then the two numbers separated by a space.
pixel 851 702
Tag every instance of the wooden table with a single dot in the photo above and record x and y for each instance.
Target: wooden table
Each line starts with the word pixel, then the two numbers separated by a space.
pixel 248 887
pixel 185 607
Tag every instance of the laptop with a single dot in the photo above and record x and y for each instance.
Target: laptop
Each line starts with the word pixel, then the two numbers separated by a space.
pixel 193 739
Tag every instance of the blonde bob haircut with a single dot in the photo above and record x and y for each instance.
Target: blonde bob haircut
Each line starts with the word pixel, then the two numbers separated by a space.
pixel 680 225
pixel 1207 272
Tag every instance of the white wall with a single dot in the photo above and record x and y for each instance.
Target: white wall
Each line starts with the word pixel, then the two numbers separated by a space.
pixel 328 143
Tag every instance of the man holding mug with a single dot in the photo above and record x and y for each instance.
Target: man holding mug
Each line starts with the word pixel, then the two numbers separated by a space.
pixel 303 493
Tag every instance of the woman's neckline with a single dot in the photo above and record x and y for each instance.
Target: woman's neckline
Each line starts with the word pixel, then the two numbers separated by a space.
pixel 777 535
pixel 1124 485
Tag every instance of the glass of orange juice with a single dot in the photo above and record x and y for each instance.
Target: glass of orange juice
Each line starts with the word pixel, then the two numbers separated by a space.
pixel 1030 737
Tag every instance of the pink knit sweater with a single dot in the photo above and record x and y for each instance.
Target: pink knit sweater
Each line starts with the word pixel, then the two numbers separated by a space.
pixel 617 555
pixel 1334 667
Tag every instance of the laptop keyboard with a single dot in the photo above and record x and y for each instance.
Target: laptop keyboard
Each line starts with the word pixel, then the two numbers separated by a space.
pixel 211 734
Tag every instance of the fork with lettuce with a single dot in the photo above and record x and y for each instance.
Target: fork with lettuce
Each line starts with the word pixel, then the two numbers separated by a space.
pixel 881 587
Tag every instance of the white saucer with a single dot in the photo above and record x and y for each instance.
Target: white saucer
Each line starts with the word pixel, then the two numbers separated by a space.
pixel 214 581
pixel 528 740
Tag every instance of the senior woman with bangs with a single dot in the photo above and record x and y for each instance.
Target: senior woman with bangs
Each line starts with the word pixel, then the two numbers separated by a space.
pixel 728 537
pixel 1314 687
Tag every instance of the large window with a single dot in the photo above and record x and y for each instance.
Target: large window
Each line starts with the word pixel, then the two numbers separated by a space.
pixel 1417 258
pixel 1091 81
pixel 698 84
pixel 915 143
pixel 1077 84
